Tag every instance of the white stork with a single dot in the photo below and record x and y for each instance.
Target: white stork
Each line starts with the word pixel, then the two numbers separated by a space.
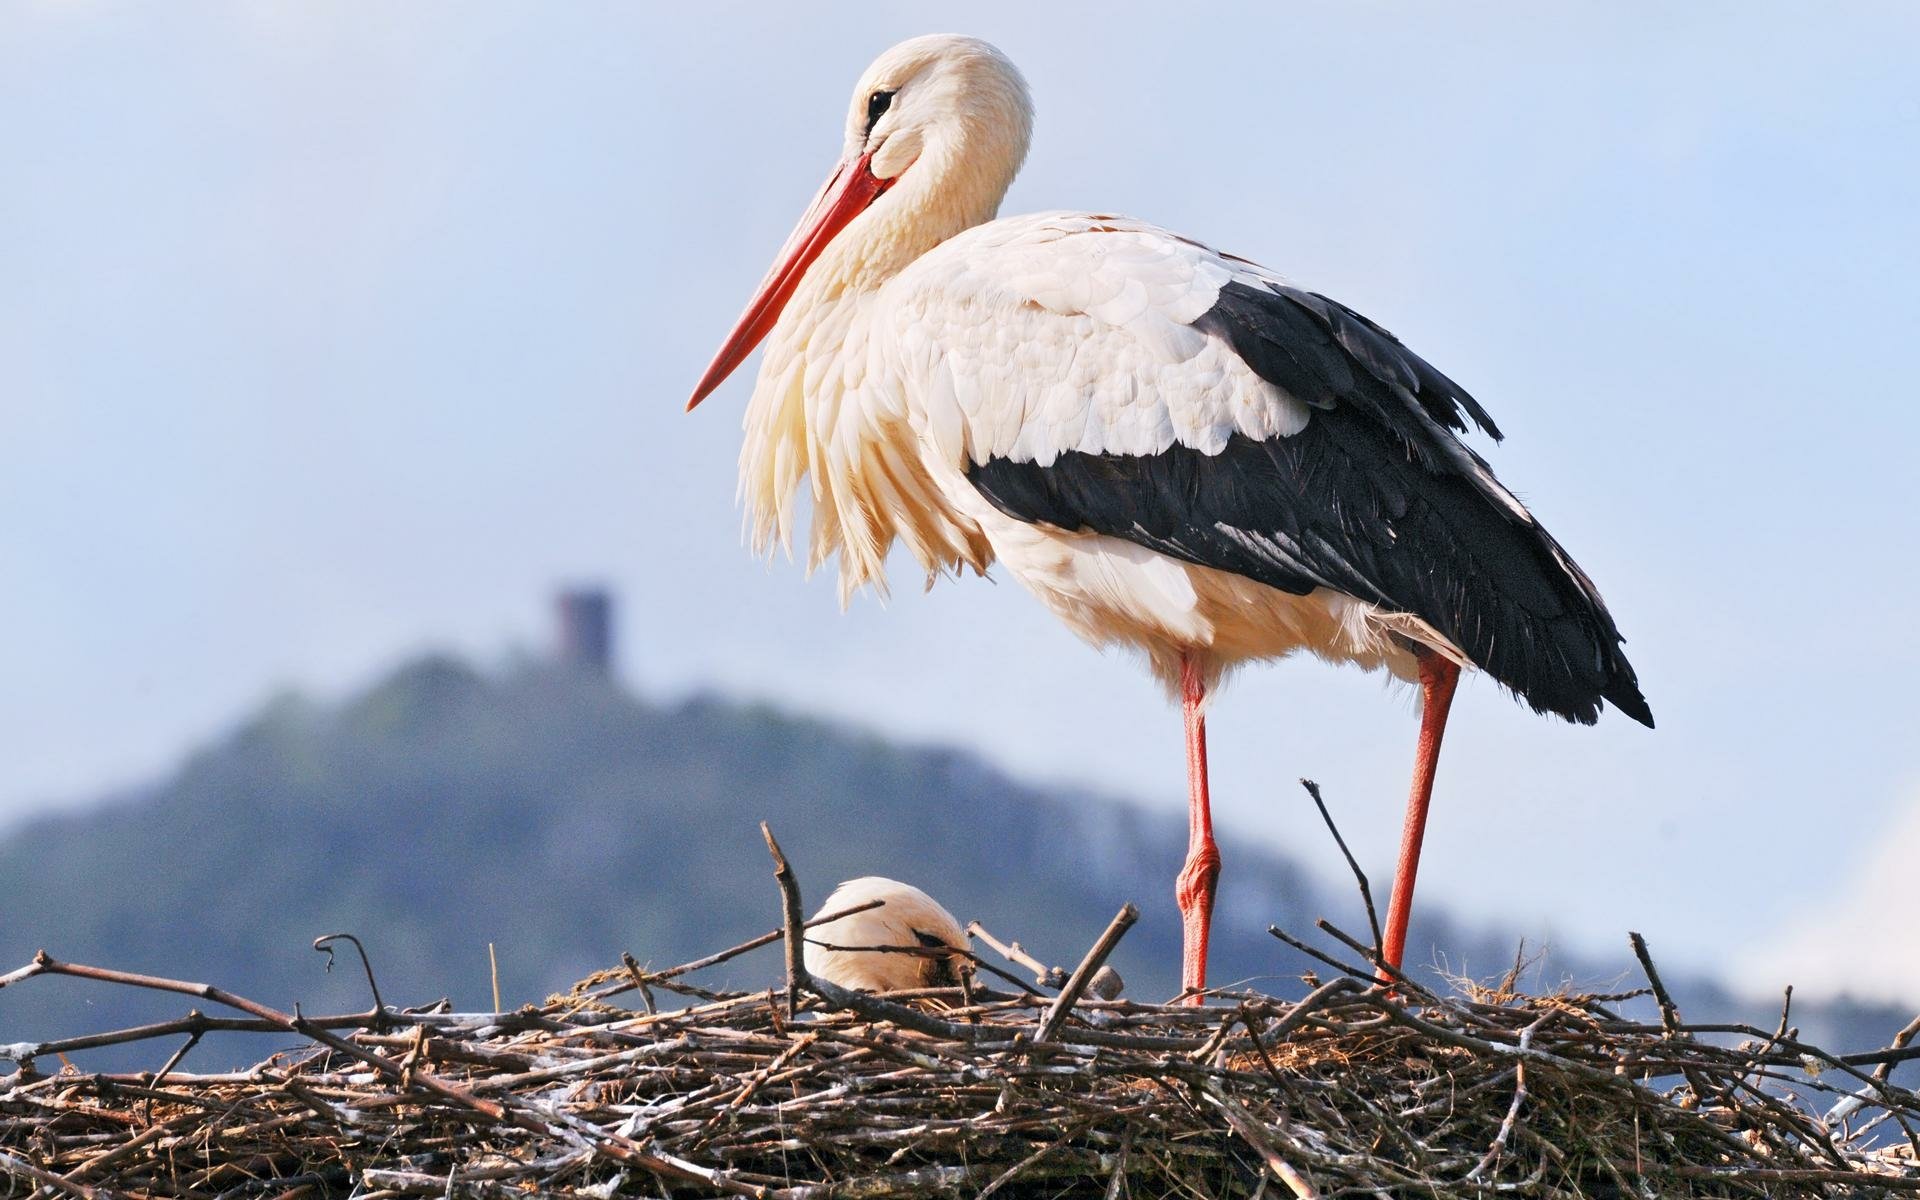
pixel 1173 448
pixel 910 941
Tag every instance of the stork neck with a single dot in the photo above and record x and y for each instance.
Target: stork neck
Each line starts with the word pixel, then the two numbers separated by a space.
pixel 933 201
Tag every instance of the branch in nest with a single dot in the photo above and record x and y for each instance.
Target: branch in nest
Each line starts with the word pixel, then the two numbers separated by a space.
pixel 1084 973
pixel 1015 953
pixel 1359 877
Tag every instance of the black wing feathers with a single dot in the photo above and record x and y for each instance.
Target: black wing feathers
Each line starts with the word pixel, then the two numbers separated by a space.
pixel 1412 377
pixel 1373 498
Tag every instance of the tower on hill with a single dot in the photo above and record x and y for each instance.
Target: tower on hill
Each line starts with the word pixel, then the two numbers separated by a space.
pixel 586 629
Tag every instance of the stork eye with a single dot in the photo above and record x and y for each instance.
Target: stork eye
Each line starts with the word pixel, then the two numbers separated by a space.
pixel 877 105
pixel 930 941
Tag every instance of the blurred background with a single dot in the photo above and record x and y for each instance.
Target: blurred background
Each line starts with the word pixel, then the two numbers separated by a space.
pixel 334 340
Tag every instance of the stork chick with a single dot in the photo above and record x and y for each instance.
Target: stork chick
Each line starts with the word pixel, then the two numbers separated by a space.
pixel 908 942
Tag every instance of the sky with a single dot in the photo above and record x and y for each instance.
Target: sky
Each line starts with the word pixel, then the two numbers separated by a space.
pixel 329 334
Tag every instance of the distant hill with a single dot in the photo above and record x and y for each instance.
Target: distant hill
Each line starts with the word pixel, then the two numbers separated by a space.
pixel 564 820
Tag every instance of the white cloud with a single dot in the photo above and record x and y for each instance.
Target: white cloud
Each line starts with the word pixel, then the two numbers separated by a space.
pixel 1863 939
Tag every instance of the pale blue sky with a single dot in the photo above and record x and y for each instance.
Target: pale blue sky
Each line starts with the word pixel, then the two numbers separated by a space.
pixel 330 332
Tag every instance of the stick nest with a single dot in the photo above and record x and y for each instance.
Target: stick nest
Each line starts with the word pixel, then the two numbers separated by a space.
pixel 641 1083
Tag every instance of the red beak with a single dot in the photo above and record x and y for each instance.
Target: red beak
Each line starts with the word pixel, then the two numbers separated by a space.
pixel 845 196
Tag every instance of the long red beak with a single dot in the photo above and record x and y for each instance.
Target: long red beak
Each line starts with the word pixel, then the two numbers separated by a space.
pixel 845 196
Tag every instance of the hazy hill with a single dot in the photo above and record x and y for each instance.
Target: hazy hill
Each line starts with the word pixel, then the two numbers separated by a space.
pixel 565 821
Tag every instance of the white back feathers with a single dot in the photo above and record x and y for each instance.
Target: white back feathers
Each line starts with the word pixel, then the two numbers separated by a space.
pixel 909 921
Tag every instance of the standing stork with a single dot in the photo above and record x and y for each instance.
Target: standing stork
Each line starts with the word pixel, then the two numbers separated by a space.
pixel 1173 448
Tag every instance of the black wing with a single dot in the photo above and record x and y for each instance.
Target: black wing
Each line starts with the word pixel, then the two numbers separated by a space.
pixel 1374 498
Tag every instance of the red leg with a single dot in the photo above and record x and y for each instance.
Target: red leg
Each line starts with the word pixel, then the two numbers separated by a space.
pixel 1194 890
pixel 1438 676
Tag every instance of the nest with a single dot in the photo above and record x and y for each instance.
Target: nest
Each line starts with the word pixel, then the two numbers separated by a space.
pixel 1353 1087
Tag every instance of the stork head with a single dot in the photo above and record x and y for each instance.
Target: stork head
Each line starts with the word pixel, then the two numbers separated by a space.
pixel 955 101
pixel 935 132
pixel 908 942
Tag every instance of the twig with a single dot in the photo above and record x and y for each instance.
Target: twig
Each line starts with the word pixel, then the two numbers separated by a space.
pixel 166 1068
pixel 1083 974
pixel 293 1024
pixel 1119 1176
pixel 1392 974
pixel 639 978
pixel 1312 1003
pixel 1013 1172
pixel 713 960
pixel 1896 1051
pixel 28 1171
pixel 1519 1098
pixel 1014 952
pixel 790 919
pixel 981 964
pixel 324 944
pixel 1249 1130
pixel 1359 876
pixel 1314 953
pixel 1669 1013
